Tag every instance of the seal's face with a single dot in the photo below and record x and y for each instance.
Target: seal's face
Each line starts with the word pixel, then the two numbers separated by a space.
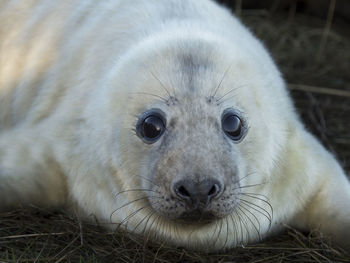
pixel 193 179
pixel 191 165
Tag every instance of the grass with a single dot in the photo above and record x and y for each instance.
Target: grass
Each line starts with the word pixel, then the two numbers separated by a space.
pixel 315 62
pixel 43 236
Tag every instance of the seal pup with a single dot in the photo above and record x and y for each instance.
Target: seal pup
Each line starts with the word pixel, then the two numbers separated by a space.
pixel 166 118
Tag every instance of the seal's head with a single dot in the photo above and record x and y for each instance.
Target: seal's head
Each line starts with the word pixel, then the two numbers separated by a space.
pixel 199 136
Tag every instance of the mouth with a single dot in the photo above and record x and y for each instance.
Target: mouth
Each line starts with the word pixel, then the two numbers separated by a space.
pixel 196 217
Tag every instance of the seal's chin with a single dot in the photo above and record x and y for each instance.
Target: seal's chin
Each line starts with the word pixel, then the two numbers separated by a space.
pixel 196 217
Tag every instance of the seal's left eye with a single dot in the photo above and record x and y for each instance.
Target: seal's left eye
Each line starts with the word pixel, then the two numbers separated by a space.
pixel 151 126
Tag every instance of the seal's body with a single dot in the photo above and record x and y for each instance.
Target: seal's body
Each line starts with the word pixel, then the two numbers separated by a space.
pixel 167 118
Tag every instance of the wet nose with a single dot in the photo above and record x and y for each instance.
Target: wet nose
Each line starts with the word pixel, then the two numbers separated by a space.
pixel 197 194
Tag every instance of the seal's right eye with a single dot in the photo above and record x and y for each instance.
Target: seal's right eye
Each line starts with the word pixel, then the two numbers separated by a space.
pixel 232 124
pixel 151 126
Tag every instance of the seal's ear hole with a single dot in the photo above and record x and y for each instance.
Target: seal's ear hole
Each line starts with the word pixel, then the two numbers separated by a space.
pixel 232 125
pixel 151 125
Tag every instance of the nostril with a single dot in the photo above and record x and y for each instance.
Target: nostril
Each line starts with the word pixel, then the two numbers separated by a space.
pixel 183 192
pixel 197 192
pixel 213 191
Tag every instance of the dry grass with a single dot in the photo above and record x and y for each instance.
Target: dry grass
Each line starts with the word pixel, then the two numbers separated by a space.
pixel 43 236
pixel 317 67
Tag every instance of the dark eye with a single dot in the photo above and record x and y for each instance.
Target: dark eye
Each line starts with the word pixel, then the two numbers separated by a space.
pixel 151 126
pixel 232 125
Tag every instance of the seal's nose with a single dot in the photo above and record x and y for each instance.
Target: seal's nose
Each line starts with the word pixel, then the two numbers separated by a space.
pixel 197 194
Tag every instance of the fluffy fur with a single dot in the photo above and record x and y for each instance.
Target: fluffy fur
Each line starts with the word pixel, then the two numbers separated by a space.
pixel 76 75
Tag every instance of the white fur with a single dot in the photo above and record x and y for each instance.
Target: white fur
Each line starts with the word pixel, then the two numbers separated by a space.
pixel 69 72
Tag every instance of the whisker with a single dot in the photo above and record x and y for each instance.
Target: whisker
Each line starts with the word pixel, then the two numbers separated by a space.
pixel 247 186
pixel 235 225
pixel 262 200
pixel 256 219
pixel 143 219
pixel 150 228
pixel 157 224
pixel 218 236
pixel 228 92
pixel 190 236
pixel 252 205
pixel 239 180
pixel 149 217
pixel 224 100
pixel 240 223
pixel 150 94
pixel 216 227
pixel 166 227
pixel 131 215
pixel 131 202
pixel 264 196
pixel 250 220
pixel 245 226
pixel 234 231
pixel 225 94
pixel 219 85
pixel 227 228
pixel 161 83
pixel 134 190
pixel 257 206
pixel 267 216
